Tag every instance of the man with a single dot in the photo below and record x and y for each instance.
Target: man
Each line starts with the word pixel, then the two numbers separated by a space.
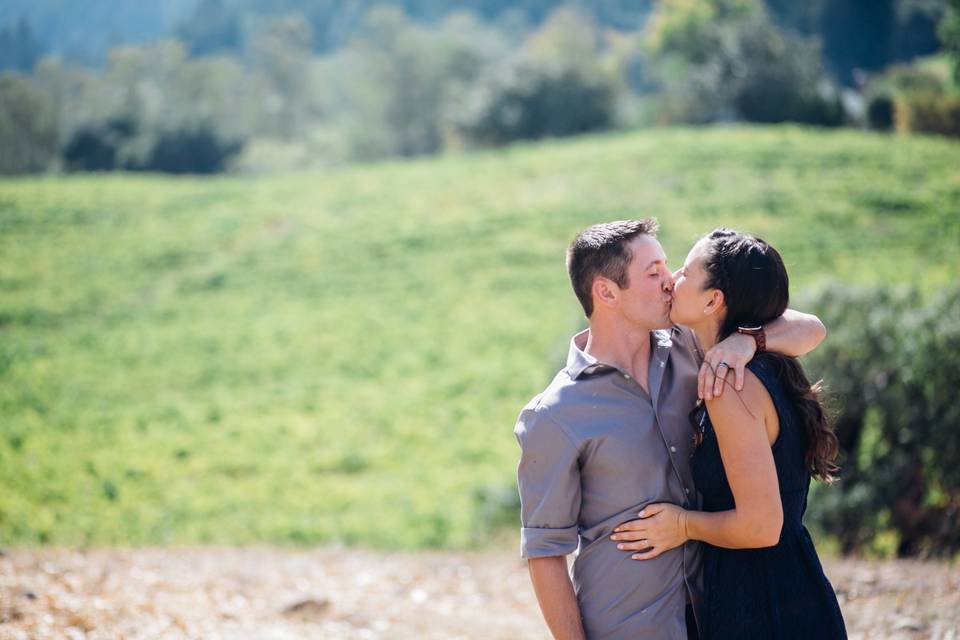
pixel 611 434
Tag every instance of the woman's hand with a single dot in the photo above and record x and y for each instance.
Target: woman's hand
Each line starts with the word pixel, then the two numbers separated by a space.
pixel 661 527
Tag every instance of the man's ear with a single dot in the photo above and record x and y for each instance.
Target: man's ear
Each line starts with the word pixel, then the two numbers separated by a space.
pixel 605 291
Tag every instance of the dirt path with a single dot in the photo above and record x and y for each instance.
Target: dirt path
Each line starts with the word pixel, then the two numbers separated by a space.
pixel 269 593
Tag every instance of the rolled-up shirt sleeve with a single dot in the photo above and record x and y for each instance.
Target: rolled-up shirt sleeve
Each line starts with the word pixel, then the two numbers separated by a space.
pixel 548 477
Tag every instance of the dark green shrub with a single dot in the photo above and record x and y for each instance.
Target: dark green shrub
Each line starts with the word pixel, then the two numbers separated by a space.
pixel 97 147
pixel 928 113
pixel 880 112
pixel 190 150
pixel 890 363
pixel 910 78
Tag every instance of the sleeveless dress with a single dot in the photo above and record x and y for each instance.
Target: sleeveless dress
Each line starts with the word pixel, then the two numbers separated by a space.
pixel 778 592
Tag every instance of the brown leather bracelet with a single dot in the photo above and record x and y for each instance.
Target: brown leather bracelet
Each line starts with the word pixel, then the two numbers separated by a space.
pixel 758 335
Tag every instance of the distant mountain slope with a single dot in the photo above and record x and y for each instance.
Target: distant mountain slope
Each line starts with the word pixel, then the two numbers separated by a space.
pixel 84 31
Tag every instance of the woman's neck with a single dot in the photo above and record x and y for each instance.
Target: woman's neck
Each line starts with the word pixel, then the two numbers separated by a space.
pixel 706 333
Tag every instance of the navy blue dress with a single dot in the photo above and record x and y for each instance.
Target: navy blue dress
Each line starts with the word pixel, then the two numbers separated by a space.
pixel 776 592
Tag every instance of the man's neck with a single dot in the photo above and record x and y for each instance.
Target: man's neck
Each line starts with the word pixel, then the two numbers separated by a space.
pixel 626 348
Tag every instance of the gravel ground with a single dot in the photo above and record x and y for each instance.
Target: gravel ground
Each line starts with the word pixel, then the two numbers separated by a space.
pixel 266 592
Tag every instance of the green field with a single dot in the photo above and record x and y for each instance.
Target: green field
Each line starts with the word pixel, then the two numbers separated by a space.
pixel 339 357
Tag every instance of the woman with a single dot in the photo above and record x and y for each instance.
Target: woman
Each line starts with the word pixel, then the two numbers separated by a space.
pixel 756 452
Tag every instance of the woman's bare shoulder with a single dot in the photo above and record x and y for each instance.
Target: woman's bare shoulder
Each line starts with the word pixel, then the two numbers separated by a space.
pixel 734 407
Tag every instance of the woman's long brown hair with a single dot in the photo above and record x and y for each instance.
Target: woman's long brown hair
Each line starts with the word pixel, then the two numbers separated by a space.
pixel 755 287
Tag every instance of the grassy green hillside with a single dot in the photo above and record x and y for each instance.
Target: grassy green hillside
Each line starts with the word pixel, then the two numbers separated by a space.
pixel 340 357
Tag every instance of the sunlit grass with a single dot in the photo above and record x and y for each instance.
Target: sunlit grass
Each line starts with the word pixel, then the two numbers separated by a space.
pixel 340 356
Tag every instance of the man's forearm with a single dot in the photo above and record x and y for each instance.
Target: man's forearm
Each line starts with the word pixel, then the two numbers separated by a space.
pixel 794 333
pixel 558 602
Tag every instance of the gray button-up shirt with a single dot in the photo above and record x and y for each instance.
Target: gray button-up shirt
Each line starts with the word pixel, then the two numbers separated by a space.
pixel 595 449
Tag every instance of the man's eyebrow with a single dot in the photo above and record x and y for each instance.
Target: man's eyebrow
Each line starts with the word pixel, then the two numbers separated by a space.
pixel 653 262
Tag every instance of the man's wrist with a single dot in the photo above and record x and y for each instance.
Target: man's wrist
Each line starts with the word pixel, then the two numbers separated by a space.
pixel 758 334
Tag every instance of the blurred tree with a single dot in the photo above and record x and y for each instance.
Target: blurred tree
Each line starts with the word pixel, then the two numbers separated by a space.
pixel 214 27
pixel 80 96
pixel 531 98
pixel 333 22
pixel 692 31
pixel 399 57
pixel 857 35
pixel 725 60
pixel 219 91
pixel 949 32
pixel 28 127
pixel 281 51
pixel 781 78
pixel 796 16
pixel 566 80
pixel 19 47
pixel 915 33
pixel 153 108
pixel 569 36
pixel 399 80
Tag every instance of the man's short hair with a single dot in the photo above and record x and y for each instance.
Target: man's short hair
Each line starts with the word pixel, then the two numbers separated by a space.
pixel 604 250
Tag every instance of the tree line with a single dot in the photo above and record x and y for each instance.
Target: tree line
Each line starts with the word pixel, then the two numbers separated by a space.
pixel 254 86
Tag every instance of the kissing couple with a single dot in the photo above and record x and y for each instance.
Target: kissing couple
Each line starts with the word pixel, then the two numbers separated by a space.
pixel 674 451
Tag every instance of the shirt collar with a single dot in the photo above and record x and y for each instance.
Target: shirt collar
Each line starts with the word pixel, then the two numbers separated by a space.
pixel 580 362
